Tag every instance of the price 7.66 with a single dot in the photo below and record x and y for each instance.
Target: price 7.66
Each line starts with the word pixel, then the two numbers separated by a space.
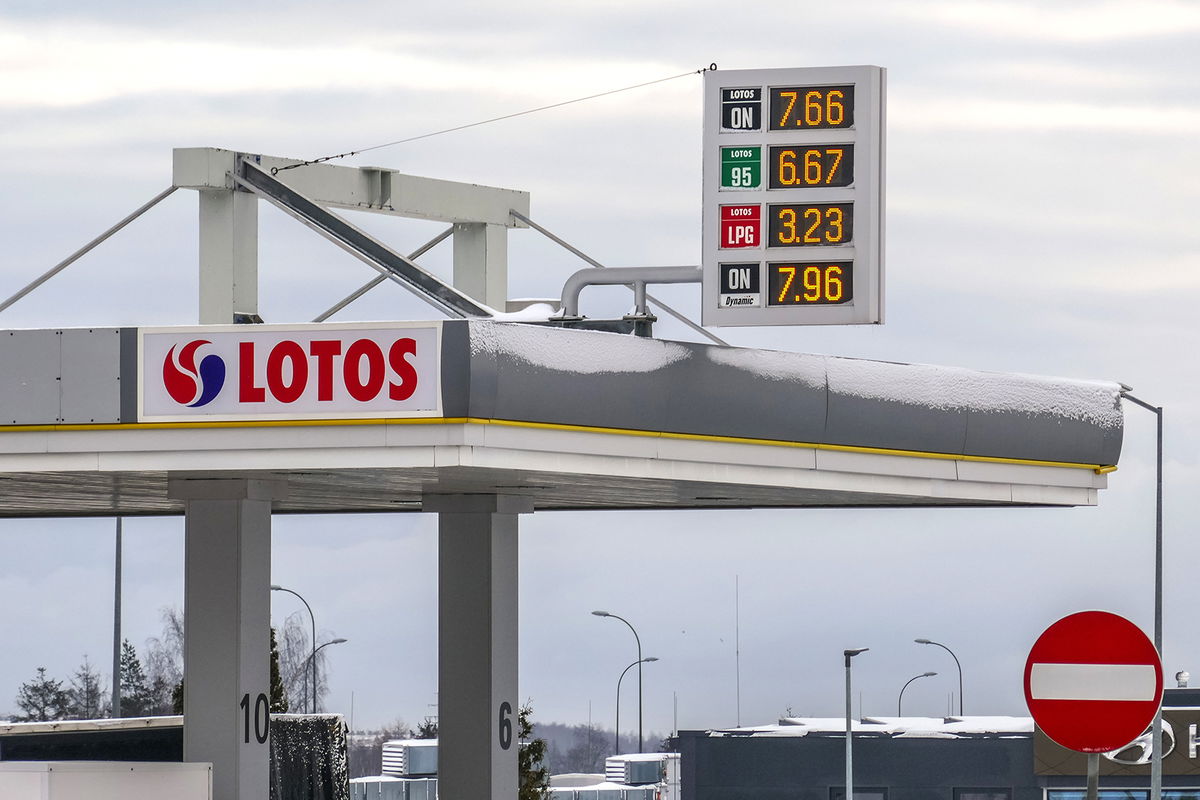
pixel 800 284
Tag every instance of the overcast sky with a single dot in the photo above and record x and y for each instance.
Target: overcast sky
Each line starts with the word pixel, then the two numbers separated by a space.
pixel 1042 187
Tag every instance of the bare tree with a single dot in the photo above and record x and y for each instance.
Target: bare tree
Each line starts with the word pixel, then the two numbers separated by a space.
pixel 294 651
pixel 164 662
pixel 366 755
pixel 86 695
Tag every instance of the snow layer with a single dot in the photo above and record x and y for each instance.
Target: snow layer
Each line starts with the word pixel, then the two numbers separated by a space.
pixel 899 727
pixel 953 388
pixel 802 368
pixel 941 388
pixel 574 352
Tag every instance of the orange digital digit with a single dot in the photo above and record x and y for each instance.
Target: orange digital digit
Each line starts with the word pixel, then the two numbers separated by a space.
pixel 818 107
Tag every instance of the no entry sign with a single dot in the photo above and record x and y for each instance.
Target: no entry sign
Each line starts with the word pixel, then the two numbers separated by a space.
pixel 1093 681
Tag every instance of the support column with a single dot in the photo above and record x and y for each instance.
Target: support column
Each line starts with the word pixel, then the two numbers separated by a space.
pixel 227 621
pixel 477 645
pixel 228 255
pixel 481 262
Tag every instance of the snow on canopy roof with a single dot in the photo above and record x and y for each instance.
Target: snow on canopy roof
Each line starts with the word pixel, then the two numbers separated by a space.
pixel 898 727
pixel 936 387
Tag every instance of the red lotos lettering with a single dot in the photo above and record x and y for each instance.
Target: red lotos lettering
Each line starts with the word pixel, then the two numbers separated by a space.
pixel 405 371
pixel 287 388
pixel 247 391
pixel 360 388
pixel 324 351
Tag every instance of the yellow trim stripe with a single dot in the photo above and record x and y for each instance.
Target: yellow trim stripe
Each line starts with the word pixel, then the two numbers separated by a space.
pixel 696 437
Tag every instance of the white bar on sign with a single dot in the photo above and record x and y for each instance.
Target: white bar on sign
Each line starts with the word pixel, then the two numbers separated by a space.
pixel 1092 682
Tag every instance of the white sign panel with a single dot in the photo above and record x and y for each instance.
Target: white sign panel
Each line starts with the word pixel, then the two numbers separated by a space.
pixel 793 196
pixel 324 371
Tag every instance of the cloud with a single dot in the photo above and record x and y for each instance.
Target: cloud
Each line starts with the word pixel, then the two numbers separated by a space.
pixel 1076 22
pixel 85 63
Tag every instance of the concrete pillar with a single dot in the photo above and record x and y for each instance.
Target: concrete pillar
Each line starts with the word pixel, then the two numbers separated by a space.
pixel 477 645
pixel 228 255
pixel 481 262
pixel 227 622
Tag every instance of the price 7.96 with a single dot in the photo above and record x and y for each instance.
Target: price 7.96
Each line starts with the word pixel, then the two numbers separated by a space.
pixel 821 283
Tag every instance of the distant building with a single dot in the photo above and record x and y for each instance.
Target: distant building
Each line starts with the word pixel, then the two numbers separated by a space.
pixel 920 758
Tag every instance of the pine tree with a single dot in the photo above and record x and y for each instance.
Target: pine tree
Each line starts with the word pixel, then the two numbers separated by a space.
pixel 86 697
pixel 534 780
pixel 279 700
pixel 136 697
pixel 428 729
pixel 42 699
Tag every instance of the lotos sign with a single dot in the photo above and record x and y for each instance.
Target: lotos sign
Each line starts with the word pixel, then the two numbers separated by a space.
pixel 334 371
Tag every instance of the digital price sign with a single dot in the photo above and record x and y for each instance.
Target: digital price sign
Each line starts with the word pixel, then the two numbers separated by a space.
pixel 793 196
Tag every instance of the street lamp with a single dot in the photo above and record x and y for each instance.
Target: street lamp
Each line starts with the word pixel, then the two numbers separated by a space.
pixel 905 686
pixel 617 742
pixel 849 795
pixel 275 588
pixel 313 659
pixel 1156 736
pixel 638 662
pixel 951 652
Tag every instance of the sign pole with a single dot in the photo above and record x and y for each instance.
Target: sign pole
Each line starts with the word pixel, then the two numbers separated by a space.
pixel 1093 776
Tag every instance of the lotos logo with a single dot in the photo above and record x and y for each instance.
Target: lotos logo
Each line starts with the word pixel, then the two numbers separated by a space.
pixel 328 371
pixel 188 384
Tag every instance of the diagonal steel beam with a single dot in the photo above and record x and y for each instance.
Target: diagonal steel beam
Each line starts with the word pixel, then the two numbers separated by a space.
pixel 360 244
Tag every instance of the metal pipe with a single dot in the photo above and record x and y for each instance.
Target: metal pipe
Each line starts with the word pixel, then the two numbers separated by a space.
pixel 574 250
pixel 617 276
pixel 313 658
pixel 639 662
pixel 849 793
pixel 960 681
pixel 276 588
pixel 900 699
pixel 71 259
pixel 1156 728
pixel 115 712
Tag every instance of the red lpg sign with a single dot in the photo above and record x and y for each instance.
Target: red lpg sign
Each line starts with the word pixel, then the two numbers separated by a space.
pixel 332 371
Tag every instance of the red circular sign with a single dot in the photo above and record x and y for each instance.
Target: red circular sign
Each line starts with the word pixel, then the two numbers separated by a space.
pixel 1093 681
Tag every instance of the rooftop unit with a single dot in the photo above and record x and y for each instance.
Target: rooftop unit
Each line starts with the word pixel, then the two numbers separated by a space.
pixel 408 757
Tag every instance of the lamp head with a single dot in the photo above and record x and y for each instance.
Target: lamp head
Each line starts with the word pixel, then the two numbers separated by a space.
pixel 928 674
pixel 338 641
pixel 275 588
pixel 600 614
pixel 924 641
pixel 852 653
pixel 650 658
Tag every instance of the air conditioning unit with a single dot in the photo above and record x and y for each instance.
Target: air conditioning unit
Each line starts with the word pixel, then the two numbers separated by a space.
pixel 636 769
pixel 406 757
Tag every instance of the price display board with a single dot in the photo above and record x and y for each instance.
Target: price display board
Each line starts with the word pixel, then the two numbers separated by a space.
pixel 793 196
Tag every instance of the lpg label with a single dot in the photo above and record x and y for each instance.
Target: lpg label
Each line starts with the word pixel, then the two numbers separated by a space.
pixel 741 226
pixel 321 371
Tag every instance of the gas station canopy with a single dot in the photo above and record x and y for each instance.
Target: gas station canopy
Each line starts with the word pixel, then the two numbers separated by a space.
pixel 96 420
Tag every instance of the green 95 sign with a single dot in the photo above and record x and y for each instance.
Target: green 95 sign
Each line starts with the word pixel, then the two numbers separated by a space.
pixel 741 168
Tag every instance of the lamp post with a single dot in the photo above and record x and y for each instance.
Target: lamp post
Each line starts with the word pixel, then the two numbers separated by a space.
pixel 617 738
pixel 275 588
pixel 951 652
pixel 638 662
pixel 849 654
pixel 900 699
pixel 1156 736
pixel 313 659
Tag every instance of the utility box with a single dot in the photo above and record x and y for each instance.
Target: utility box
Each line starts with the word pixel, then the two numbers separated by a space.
pixel 104 780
